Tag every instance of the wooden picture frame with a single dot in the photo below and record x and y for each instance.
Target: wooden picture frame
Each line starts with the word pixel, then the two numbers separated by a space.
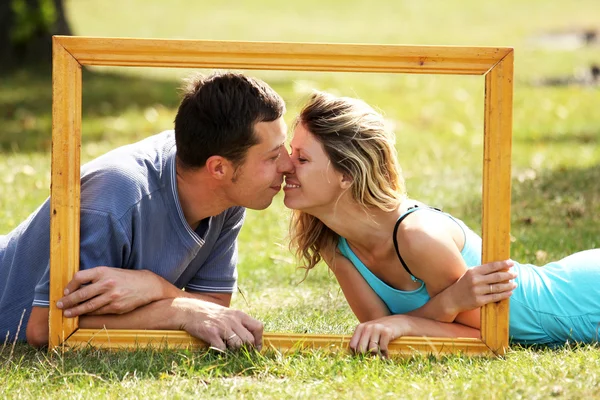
pixel 70 53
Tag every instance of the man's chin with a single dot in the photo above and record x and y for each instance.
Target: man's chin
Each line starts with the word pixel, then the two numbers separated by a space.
pixel 259 206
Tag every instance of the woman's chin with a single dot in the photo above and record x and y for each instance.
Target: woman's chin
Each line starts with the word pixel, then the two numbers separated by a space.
pixel 289 203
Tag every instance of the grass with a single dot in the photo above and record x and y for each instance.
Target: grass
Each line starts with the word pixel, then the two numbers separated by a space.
pixel 438 120
pixel 570 372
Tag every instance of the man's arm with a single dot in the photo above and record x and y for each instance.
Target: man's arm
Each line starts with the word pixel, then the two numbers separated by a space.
pixel 37 327
pixel 220 327
pixel 105 290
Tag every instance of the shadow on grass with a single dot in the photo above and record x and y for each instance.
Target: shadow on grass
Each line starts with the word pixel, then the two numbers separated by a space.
pixel 26 103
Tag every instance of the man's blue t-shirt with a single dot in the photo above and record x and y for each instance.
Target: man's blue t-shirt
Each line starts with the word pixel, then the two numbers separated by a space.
pixel 130 218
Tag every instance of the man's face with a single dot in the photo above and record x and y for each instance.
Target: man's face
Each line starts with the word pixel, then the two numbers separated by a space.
pixel 260 177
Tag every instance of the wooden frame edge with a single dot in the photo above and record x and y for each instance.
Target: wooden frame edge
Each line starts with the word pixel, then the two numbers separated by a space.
pixel 71 52
pixel 497 193
pixel 283 56
pixel 65 187
pixel 283 342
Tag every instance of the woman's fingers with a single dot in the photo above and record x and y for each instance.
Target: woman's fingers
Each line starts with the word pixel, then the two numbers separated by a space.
pixel 370 337
pixel 375 336
pixel 495 297
pixel 501 287
pixel 384 340
pixel 499 277
pixel 495 266
pixel 356 338
pixel 364 342
pixel 373 346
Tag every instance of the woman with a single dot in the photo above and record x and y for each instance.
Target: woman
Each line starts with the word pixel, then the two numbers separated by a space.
pixel 407 269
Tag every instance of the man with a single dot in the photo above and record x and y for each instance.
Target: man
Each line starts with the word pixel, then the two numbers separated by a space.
pixel 159 216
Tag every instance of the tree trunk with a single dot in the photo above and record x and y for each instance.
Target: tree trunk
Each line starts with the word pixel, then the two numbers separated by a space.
pixel 26 35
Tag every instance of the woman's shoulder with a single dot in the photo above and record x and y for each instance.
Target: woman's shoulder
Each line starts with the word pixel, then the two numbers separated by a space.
pixel 422 226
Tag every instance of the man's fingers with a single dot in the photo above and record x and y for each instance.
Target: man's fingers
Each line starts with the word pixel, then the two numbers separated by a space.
pixel 217 343
pixel 248 332
pixel 255 329
pixel 233 341
pixel 80 278
pixel 79 296
pixel 88 306
pixel 238 337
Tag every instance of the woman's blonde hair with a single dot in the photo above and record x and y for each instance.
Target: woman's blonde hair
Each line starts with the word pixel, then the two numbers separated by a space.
pixel 357 143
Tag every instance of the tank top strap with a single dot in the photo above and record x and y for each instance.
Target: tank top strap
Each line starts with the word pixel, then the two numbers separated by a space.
pixel 409 211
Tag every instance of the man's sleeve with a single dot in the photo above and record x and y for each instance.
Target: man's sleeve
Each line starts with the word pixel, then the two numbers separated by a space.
pixel 104 242
pixel 218 274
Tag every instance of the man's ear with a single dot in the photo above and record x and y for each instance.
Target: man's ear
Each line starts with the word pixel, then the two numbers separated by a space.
pixel 346 181
pixel 219 167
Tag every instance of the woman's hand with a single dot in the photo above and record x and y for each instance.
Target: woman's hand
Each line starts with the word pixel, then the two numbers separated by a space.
pixel 487 283
pixel 375 336
pixel 105 290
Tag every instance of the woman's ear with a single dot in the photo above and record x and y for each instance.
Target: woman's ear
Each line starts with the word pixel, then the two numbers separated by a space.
pixel 346 181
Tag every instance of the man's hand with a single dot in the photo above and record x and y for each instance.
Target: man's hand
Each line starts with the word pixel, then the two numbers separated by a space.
pixel 218 326
pixel 105 290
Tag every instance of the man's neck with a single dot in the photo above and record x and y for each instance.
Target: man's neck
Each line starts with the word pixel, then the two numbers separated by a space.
pixel 200 196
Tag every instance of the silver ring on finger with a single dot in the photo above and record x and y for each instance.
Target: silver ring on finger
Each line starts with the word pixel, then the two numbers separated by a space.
pixel 231 337
pixel 491 288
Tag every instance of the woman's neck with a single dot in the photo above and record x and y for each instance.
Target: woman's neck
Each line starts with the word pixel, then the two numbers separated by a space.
pixel 366 228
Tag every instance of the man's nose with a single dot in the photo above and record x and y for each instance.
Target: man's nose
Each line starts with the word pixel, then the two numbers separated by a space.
pixel 284 163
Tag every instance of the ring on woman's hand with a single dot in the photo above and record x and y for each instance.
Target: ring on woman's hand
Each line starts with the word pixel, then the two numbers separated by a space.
pixel 491 288
pixel 374 341
pixel 231 337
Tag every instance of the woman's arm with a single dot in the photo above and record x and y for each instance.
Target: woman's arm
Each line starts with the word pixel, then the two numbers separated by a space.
pixel 377 327
pixel 430 245
pixel 361 298
pixel 480 285
pixel 375 336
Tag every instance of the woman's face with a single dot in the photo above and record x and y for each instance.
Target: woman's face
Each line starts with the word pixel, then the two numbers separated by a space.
pixel 314 184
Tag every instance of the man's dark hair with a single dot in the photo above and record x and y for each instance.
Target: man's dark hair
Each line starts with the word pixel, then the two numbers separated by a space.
pixel 217 117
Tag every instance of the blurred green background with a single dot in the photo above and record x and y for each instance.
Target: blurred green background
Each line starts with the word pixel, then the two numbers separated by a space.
pixel 438 121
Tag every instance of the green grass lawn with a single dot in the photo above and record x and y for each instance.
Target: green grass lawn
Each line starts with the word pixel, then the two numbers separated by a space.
pixel 438 121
